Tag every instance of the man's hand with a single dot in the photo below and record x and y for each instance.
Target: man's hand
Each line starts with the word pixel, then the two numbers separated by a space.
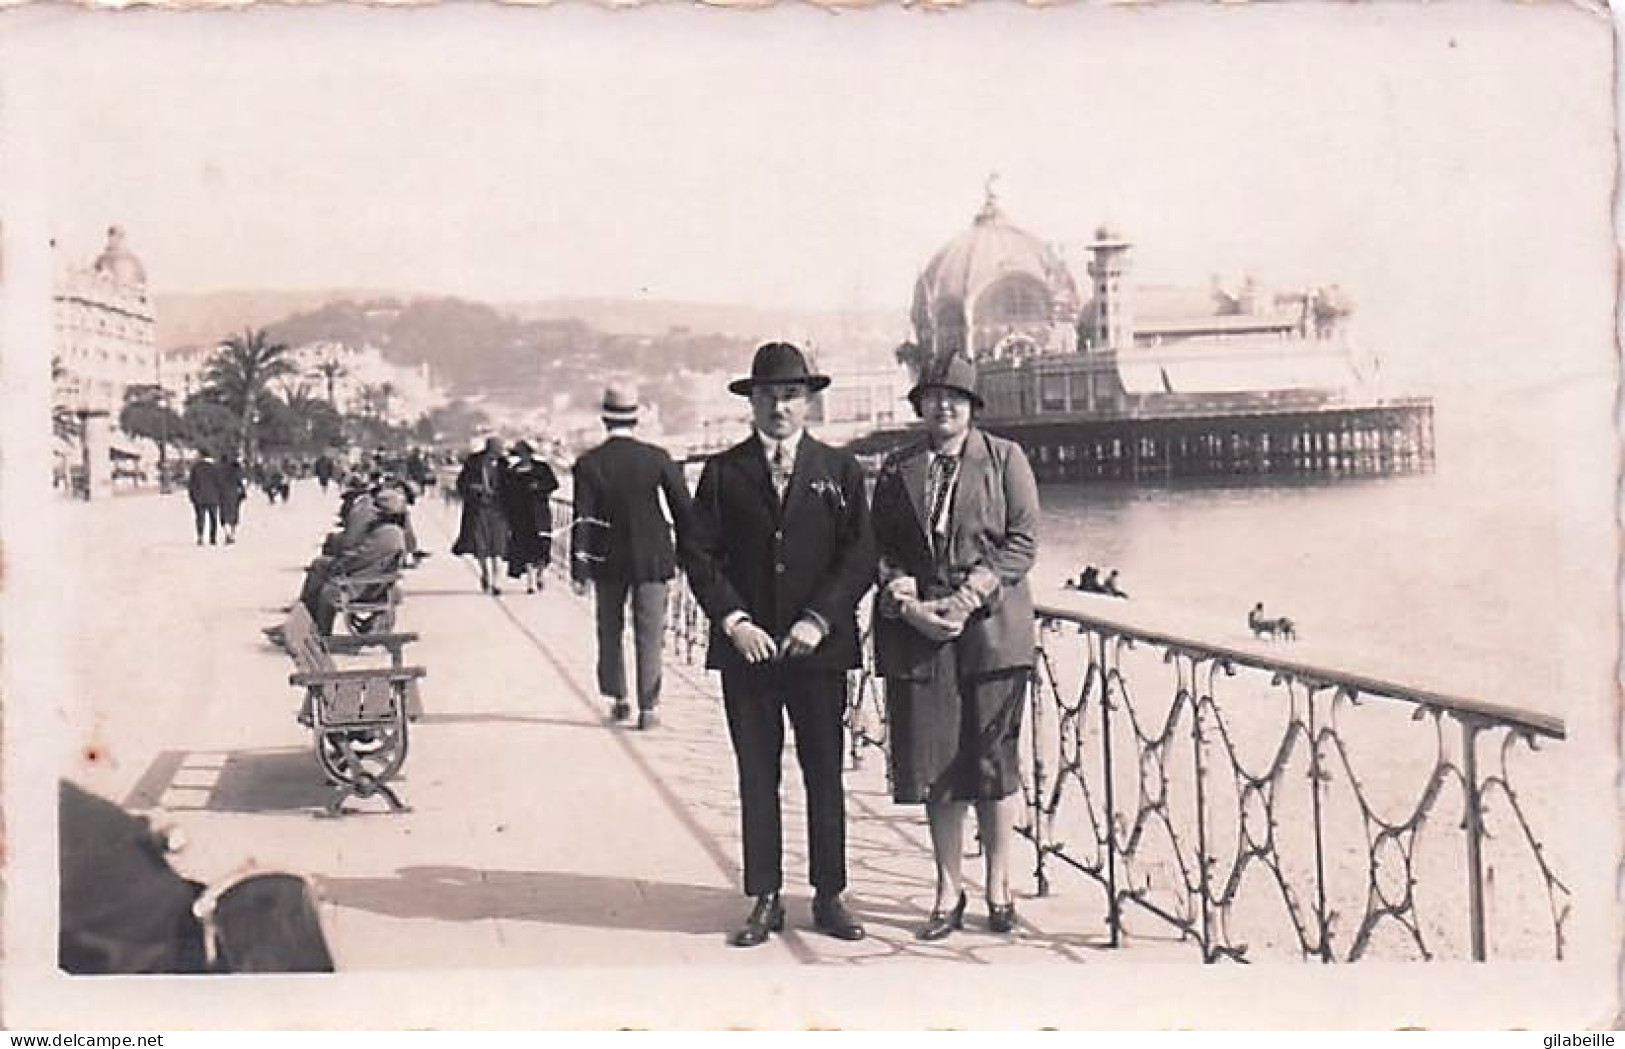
pixel 927 618
pixel 578 587
pixel 803 637
pixel 958 606
pixel 754 643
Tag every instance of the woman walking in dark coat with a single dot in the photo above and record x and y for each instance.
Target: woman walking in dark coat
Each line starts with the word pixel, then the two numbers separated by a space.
pixel 233 490
pixel 527 491
pixel 955 520
pixel 484 531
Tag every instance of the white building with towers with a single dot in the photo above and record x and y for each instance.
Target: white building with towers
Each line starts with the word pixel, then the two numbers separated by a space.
pixel 106 330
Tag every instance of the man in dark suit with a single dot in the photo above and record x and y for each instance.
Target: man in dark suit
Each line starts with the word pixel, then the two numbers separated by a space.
pixel 205 487
pixel 623 544
pixel 782 555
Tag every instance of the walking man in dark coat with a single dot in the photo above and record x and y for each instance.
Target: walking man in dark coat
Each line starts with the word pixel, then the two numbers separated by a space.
pixel 783 554
pixel 205 487
pixel 623 544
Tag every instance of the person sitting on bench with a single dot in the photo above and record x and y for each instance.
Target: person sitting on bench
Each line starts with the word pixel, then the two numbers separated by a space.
pixel 381 549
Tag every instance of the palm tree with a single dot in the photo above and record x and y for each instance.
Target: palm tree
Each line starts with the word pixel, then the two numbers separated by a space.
pixel 385 391
pixel 239 376
pixel 330 370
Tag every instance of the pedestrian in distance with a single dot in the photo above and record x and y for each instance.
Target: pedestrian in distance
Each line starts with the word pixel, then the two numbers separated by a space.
pixel 326 469
pixel 527 503
pixel 484 530
pixel 956 519
pixel 233 490
pixel 781 558
pixel 629 497
pixel 204 490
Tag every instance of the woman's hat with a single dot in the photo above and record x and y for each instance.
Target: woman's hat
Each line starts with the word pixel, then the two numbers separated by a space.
pixel 523 448
pixel 620 404
pixel 778 362
pixel 955 373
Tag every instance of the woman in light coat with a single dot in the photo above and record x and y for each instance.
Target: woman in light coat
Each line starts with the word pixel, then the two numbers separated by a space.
pixel 955 521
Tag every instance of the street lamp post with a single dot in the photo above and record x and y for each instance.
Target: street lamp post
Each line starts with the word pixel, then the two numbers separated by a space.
pixel 162 399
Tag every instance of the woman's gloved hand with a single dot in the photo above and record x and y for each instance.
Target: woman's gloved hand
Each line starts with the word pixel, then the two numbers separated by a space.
pixel 927 618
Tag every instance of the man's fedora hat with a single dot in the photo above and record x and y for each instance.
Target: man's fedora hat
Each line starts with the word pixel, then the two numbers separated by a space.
pixel 778 362
pixel 620 403
pixel 955 373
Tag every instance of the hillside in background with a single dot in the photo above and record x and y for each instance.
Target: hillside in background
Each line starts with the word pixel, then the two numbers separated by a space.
pixel 532 353
pixel 192 319
pixel 202 318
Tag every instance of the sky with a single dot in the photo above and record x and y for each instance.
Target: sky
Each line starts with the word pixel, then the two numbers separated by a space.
pixel 1449 165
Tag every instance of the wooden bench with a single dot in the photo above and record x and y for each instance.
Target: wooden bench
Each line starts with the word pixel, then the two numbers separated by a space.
pixel 359 716
pixel 366 604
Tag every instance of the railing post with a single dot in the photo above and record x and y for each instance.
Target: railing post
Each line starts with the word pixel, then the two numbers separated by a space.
pixel 1473 824
pixel 1114 912
pixel 1204 862
pixel 1317 780
pixel 1035 700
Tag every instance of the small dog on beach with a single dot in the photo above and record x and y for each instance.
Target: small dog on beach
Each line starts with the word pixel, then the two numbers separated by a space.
pixel 1281 629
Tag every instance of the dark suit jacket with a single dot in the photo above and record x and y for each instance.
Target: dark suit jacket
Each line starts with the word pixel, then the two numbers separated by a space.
pixel 815 552
pixel 206 483
pixel 619 483
pixel 993 531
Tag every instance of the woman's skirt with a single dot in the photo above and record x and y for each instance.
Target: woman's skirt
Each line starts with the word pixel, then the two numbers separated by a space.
pixel 484 532
pixel 953 738
pixel 527 550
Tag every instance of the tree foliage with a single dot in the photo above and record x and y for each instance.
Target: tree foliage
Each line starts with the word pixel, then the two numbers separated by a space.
pixel 146 413
pixel 239 376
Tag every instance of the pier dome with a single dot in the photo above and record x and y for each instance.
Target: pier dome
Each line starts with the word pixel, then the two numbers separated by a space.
pixel 1000 284
pixel 118 261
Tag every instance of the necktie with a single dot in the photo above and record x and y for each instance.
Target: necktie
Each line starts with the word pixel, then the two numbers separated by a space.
pixel 943 470
pixel 781 466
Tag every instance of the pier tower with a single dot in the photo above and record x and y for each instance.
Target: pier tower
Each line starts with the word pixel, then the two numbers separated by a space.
pixel 1110 324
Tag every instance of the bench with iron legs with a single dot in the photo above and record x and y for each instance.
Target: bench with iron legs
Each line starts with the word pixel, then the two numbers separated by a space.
pixel 359 716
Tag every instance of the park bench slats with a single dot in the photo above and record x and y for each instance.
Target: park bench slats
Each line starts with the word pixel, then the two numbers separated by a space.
pixel 367 603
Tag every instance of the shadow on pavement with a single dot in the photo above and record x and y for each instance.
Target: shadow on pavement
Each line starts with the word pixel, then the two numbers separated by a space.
pixel 245 781
pixel 279 780
pixel 465 894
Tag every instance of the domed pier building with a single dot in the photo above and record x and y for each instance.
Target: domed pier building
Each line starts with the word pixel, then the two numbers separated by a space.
pixel 1130 382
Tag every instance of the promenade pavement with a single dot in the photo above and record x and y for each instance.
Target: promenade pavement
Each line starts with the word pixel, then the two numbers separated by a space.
pixel 541 834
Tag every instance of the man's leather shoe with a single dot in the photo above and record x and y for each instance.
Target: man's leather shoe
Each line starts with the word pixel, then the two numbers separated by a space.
pixel 767 916
pixel 647 720
pixel 621 710
pixel 830 914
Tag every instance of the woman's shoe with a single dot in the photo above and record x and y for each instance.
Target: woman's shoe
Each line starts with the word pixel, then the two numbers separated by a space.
pixel 939 923
pixel 1001 917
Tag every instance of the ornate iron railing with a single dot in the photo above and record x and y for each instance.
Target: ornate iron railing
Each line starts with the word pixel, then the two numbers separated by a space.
pixel 1232 795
